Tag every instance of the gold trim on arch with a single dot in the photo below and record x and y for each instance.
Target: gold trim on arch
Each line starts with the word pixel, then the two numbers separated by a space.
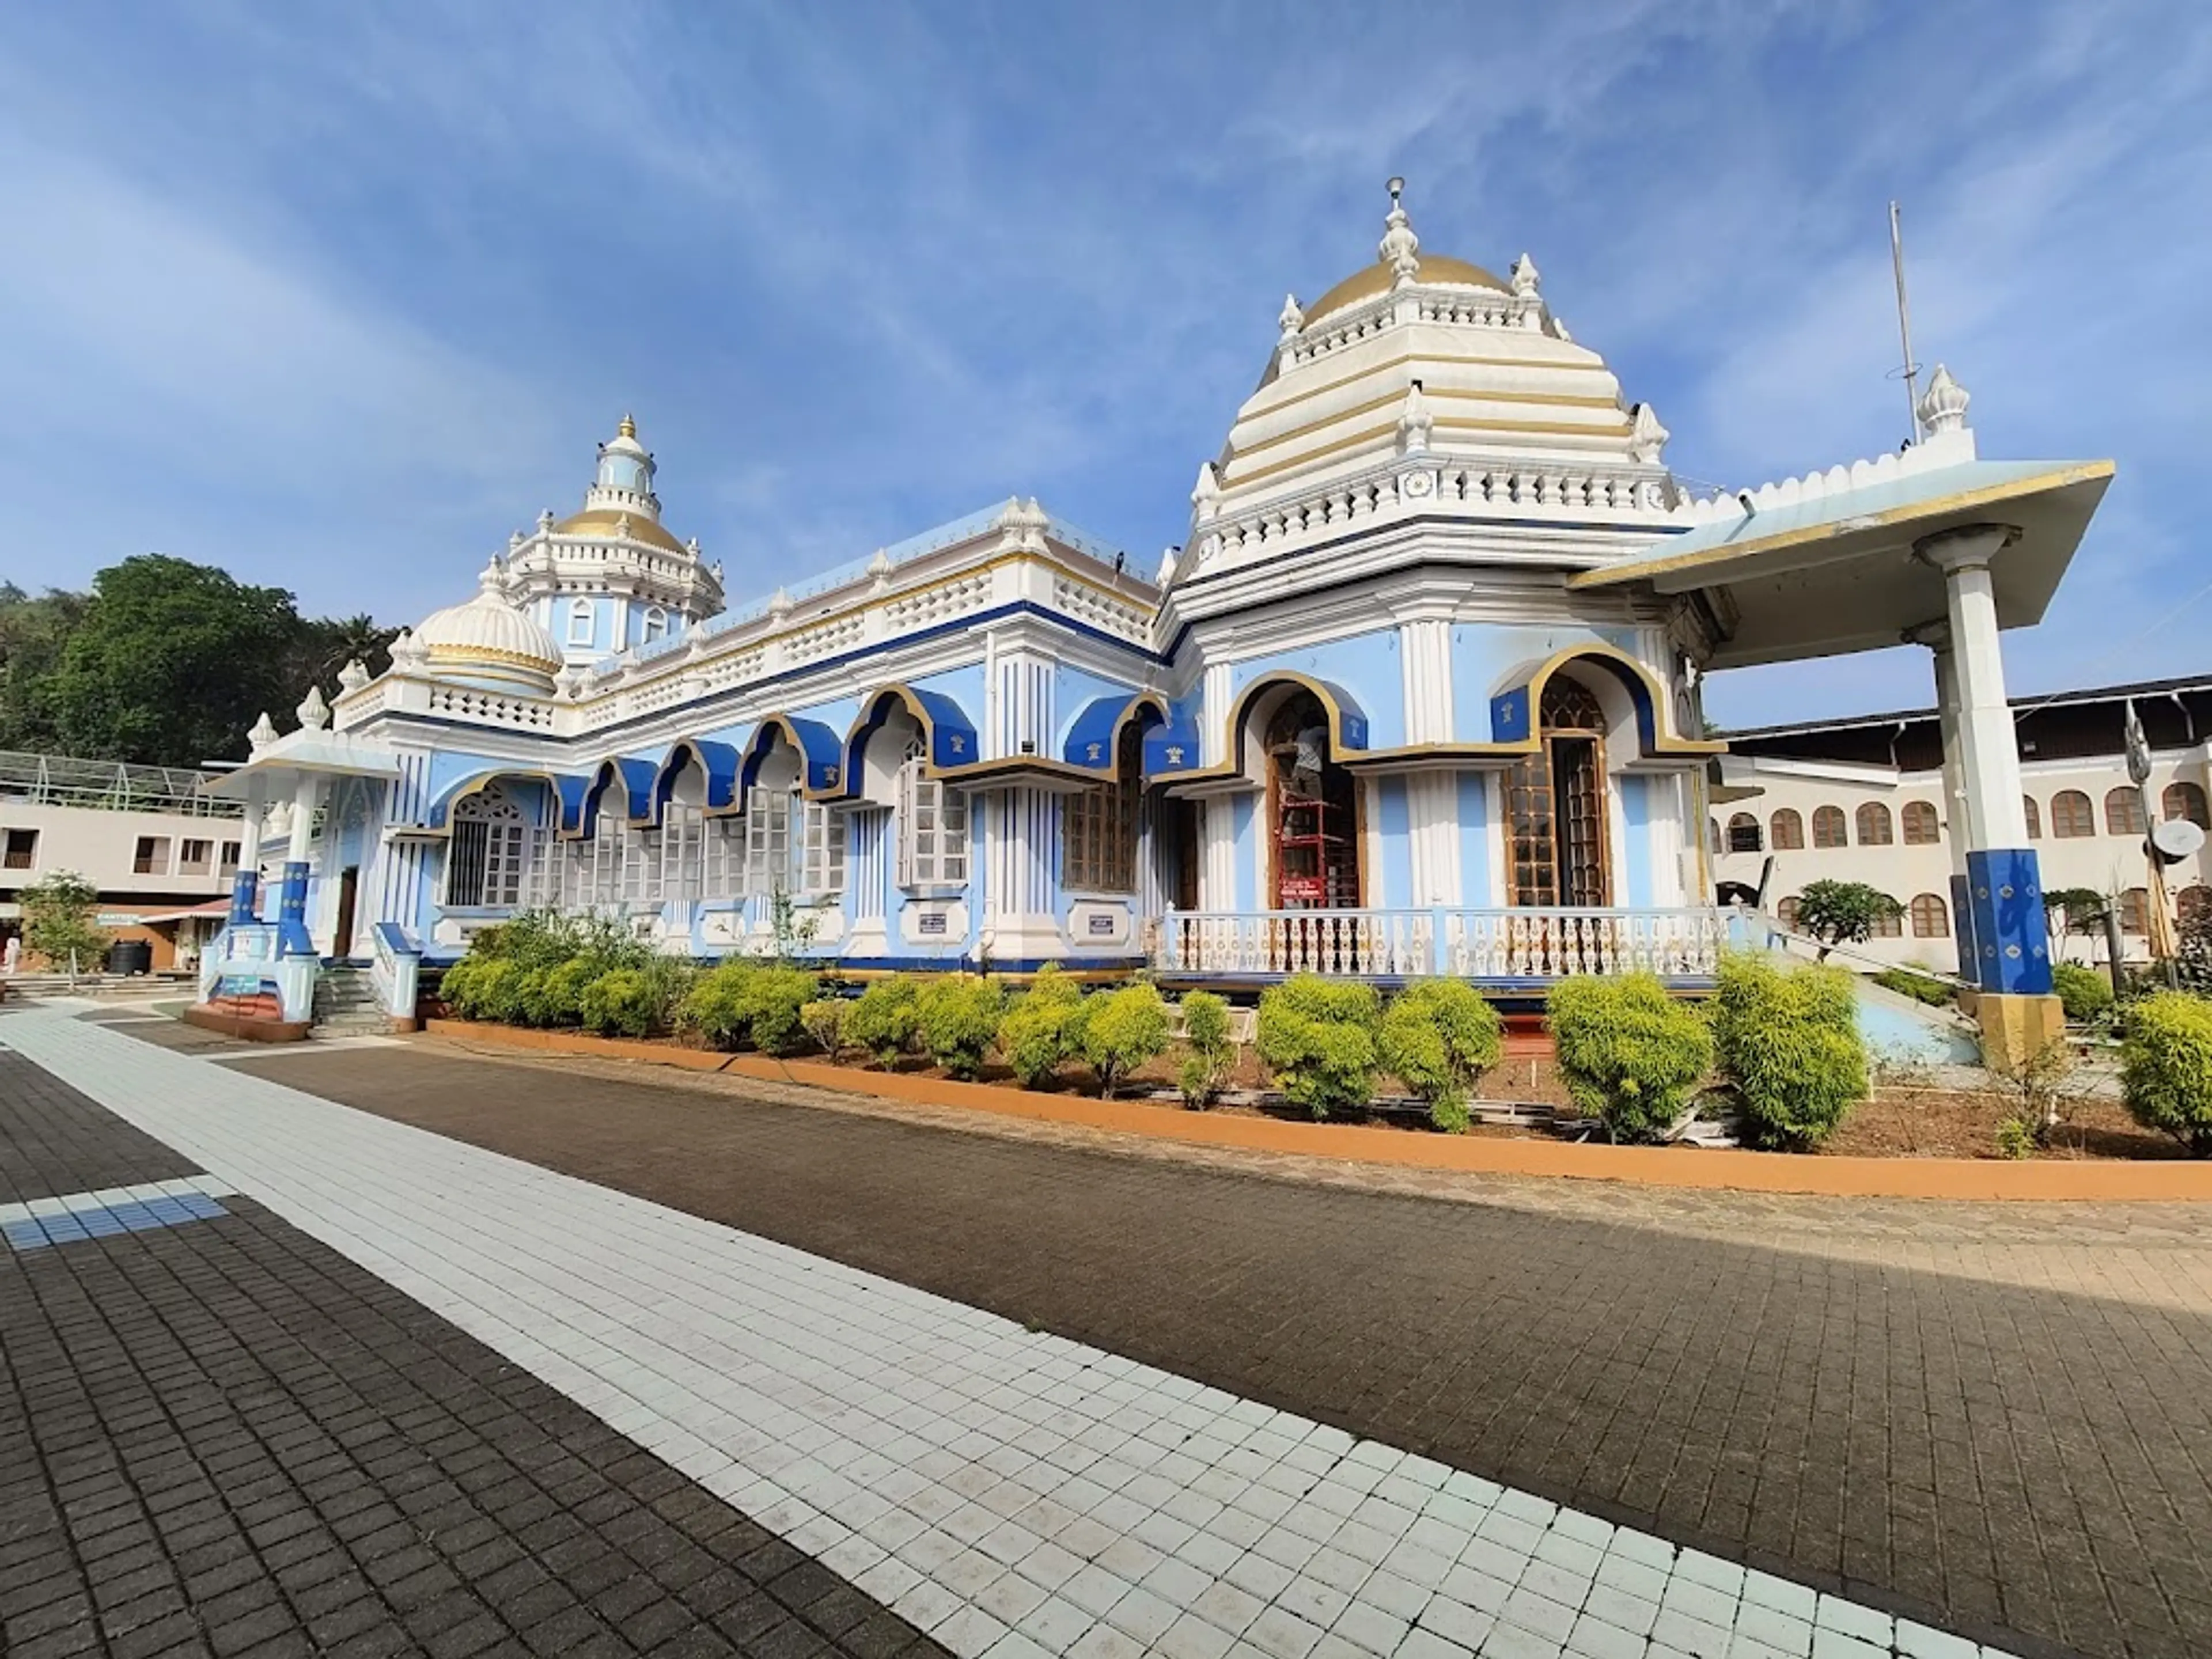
pixel 1663 741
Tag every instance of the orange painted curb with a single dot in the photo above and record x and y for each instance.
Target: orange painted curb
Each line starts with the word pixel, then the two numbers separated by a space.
pixel 1702 1167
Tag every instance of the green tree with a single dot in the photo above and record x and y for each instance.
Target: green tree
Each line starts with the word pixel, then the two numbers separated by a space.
pixel 32 632
pixel 57 922
pixel 327 644
pixel 170 663
pixel 1843 912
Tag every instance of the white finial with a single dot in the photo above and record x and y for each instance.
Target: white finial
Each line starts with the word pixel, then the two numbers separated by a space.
pixel 622 526
pixel 407 651
pixel 1291 319
pixel 692 547
pixel 1414 422
pixel 1399 248
pixel 1525 277
pixel 545 519
pixel 514 541
pixel 261 735
pixel 1206 496
pixel 352 675
pixel 1167 568
pixel 314 714
pixel 695 643
pixel 879 571
pixel 1646 437
pixel 1943 405
pixel 780 606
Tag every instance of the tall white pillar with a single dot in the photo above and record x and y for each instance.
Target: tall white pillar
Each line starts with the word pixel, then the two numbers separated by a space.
pixel 1989 752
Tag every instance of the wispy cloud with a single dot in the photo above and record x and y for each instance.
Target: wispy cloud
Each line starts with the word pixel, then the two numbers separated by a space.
pixel 861 269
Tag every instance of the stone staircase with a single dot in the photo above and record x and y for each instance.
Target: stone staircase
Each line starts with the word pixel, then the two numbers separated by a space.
pixel 346 1004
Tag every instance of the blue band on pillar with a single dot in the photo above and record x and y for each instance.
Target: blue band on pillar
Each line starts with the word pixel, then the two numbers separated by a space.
pixel 1962 924
pixel 292 913
pixel 2012 948
pixel 245 897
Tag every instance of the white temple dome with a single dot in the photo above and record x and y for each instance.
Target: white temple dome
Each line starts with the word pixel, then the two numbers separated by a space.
pixel 488 637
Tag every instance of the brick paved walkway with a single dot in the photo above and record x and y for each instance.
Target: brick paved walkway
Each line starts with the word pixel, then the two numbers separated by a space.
pixel 1014 1492
pixel 224 1438
pixel 1994 1411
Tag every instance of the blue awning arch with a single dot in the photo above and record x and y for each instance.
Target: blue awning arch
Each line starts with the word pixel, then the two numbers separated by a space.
pixel 948 733
pixel 821 754
pixel 567 788
pixel 1094 736
pixel 716 762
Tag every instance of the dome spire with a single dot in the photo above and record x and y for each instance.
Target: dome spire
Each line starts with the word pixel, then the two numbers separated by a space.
pixel 627 427
pixel 1399 248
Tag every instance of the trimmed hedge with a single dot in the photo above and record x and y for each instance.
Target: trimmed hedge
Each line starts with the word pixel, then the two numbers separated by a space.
pixel 1317 1036
pixel 1205 1031
pixel 883 1020
pixel 2086 993
pixel 1790 1038
pixel 1628 1053
pixel 1437 1037
pixel 741 1001
pixel 1044 1028
pixel 2165 1067
pixel 622 1003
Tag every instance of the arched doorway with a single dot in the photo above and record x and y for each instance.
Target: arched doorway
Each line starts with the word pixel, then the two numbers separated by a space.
pixel 1555 803
pixel 1312 811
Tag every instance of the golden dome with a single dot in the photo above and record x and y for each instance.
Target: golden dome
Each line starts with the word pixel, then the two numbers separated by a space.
pixel 1371 280
pixel 601 520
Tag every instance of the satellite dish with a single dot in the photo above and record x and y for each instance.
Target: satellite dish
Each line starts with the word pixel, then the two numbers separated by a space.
pixel 2172 840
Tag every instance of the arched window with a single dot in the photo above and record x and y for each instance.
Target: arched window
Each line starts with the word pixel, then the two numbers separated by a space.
pixel 2135 910
pixel 656 625
pixel 1785 911
pixel 1786 830
pixel 1931 917
pixel 1829 828
pixel 2193 905
pixel 2123 813
pixel 1891 924
pixel 1921 829
pixel 1743 833
pixel 1556 804
pixel 491 851
pixel 2072 817
pixel 2185 801
pixel 2034 817
pixel 580 622
pixel 1098 827
pixel 1875 829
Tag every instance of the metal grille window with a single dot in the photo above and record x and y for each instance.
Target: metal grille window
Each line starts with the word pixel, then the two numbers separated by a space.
pixel 23 849
pixel 933 831
pixel 490 853
pixel 1743 833
pixel 1098 828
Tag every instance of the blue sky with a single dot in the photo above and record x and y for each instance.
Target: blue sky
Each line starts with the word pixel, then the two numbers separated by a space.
pixel 336 295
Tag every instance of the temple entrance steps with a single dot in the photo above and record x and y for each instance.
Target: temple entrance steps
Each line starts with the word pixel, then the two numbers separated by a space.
pixel 346 1003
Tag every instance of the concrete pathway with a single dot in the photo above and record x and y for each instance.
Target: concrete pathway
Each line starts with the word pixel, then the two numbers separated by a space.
pixel 1011 1492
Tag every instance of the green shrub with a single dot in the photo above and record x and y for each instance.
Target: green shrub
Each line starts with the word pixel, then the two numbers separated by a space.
pixel 824 1020
pixel 1043 1027
pixel 1628 1053
pixel 1317 1036
pixel 2086 993
pixel 545 939
pixel 1921 988
pixel 1121 1031
pixel 1438 1037
pixel 957 1016
pixel 1206 1029
pixel 719 1005
pixel 622 1002
pixel 2165 1067
pixel 883 1020
pixel 487 988
pixel 520 996
pixel 1790 1038
pixel 2015 1139
pixel 457 986
pixel 780 998
pixel 557 996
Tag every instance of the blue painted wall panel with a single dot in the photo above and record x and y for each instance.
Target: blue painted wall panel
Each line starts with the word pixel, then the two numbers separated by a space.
pixel 1474 842
pixel 1365 665
pixel 1397 883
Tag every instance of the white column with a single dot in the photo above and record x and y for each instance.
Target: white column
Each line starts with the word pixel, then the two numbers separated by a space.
pixel 1425 659
pixel 1957 817
pixel 1989 752
pixel 1213 711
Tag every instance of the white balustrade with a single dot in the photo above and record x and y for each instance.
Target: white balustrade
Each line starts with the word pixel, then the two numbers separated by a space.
pixel 1491 944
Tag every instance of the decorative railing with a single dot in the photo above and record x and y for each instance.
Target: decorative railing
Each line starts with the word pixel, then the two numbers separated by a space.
pixel 1491 944
pixel 393 970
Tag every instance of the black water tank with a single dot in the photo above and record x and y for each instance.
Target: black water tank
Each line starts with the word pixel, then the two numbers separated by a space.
pixel 130 955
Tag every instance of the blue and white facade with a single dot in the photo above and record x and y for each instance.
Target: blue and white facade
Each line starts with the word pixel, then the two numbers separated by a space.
pixel 1419 693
